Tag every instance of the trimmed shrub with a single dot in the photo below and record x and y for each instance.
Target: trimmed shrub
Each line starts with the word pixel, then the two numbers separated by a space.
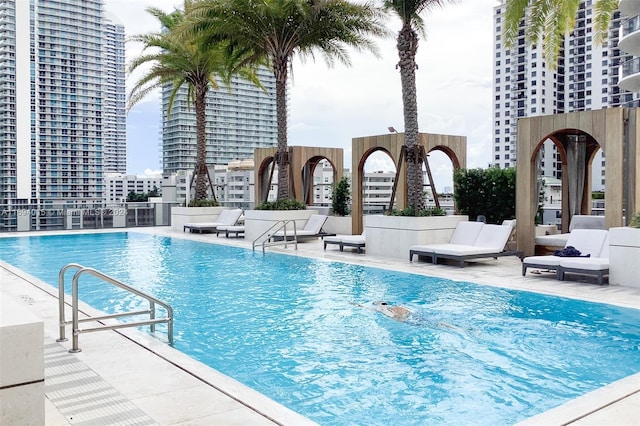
pixel 285 204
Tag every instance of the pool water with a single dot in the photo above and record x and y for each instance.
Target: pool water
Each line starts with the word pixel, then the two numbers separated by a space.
pixel 291 328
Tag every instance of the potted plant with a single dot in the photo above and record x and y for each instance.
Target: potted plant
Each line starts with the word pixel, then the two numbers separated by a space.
pixel 340 221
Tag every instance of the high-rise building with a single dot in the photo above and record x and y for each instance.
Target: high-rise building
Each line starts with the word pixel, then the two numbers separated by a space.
pixel 238 120
pixel 586 78
pixel 53 113
pixel 115 97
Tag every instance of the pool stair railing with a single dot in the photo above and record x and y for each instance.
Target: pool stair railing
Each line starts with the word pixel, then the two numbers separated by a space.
pixel 265 239
pixel 75 321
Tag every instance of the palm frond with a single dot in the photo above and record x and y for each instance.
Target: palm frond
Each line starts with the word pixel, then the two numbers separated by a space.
pixel 604 10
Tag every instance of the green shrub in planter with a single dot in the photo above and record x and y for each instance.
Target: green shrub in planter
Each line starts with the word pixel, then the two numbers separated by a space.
pixel 204 203
pixel 411 211
pixel 635 221
pixel 286 204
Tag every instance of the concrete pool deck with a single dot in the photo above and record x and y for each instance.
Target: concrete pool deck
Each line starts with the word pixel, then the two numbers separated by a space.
pixel 148 382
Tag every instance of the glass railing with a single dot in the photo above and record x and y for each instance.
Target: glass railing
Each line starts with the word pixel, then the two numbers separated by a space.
pixel 57 217
pixel 630 26
pixel 630 67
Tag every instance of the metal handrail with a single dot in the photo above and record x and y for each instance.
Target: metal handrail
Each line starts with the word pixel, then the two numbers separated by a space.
pixel 283 226
pixel 152 321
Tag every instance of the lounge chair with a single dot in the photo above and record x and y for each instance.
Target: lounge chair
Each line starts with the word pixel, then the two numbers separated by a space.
pixel 313 228
pixel 465 233
pixel 598 266
pixel 357 241
pixel 235 230
pixel 491 241
pixel 225 218
pixel 547 244
pixel 587 241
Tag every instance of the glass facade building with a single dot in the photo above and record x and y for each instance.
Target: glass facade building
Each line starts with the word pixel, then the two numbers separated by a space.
pixel 60 95
pixel 239 120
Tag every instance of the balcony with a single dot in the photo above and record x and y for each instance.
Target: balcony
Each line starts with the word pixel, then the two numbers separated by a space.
pixel 630 36
pixel 630 75
pixel 629 7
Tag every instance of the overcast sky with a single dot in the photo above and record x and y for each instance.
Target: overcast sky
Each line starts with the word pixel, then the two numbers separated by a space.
pixel 330 106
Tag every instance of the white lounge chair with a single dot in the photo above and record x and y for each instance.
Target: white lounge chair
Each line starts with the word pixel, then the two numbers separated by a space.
pixel 491 242
pixel 587 241
pixel 357 241
pixel 465 233
pixel 598 266
pixel 546 244
pixel 470 240
pixel 236 230
pixel 313 228
pixel 225 218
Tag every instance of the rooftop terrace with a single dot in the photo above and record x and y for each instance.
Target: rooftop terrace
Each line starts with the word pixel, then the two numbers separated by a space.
pixel 128 377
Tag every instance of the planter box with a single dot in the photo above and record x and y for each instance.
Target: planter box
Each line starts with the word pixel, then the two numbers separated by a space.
pixel 182 215
pixel 391 236
pixel 256 222
pixel 624 252
pixel 341 225
pixel 21 365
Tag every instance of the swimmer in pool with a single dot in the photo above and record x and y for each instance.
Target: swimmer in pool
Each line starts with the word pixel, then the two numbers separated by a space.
pixel 398 313
pixel 404 314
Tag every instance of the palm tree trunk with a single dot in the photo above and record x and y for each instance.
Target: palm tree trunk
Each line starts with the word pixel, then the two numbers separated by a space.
pixel 407 45
pixel 201 143
pixel 280 72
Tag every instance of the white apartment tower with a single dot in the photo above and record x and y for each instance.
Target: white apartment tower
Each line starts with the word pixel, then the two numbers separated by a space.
pixel 115 97
pixel 586 78
pixel 53 115
pixel 239 120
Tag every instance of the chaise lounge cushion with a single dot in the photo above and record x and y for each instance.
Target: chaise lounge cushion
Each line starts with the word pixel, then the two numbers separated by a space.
pixel 465 233
pixel 312 228
pixel 491 240
pixel 357 241
pixel 225 218
pixel 587 241
pixel 598 266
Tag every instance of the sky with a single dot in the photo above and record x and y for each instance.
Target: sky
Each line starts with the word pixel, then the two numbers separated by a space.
pixel 331 105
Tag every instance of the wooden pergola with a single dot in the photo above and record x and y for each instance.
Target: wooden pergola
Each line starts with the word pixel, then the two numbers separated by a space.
pixel 303 161
pixel 455 147
pixel 614 130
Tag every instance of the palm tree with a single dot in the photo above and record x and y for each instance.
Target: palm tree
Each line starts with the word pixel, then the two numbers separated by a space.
pixel 548 21
pixel 276 30
pixel 178 60
pixel 407 43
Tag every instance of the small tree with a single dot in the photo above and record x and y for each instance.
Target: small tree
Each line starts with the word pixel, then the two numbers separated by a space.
pixel 341 197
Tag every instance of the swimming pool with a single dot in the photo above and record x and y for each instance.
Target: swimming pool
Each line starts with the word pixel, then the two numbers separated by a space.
pixel 288 327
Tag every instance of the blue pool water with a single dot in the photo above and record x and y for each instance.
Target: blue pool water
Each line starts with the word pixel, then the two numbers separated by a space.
pixel 289 327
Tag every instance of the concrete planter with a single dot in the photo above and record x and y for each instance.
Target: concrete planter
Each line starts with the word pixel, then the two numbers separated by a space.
pixel 340 225
pixel 391 236
pixel 182 215
pixel 624 252
pixel 256 222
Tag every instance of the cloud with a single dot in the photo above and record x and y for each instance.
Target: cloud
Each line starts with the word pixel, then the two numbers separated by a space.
pixel 152 173
pixel 330 106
